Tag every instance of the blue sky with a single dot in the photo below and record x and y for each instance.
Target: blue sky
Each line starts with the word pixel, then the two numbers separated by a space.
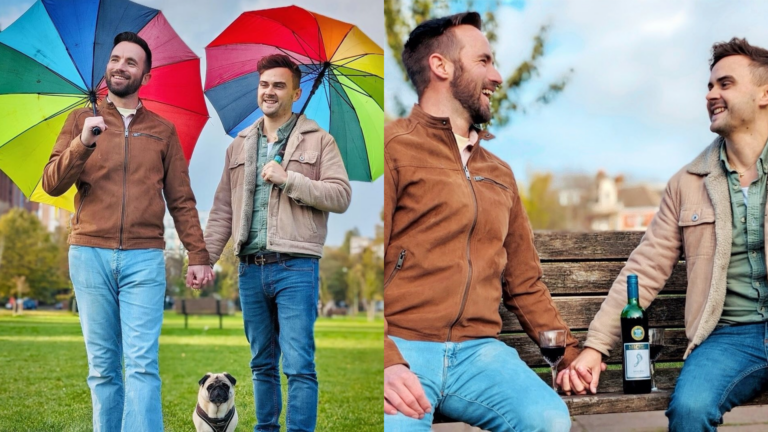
pixel 635 104
pixel 198 22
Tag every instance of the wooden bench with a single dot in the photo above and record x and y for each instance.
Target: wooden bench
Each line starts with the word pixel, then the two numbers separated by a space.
pixel 579 269
pixel 203 306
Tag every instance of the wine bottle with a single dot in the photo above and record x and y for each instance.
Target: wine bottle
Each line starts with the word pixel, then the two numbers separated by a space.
pixel 634 334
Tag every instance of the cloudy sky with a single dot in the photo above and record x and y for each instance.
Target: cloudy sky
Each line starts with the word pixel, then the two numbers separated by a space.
pixel 198 22
pixel 636 101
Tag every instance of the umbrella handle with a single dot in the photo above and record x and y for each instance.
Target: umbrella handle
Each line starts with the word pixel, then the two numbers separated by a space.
pixel 96 131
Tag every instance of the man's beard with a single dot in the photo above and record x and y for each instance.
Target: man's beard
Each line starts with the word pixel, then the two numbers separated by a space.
pixel 131 87
pixel 465 91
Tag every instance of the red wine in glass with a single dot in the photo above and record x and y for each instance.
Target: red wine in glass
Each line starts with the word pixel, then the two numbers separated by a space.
pixel 553 355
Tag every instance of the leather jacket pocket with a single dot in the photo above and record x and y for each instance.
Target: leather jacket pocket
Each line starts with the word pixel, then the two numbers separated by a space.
pixel 491 181
pixel 85 189
pixel 398 266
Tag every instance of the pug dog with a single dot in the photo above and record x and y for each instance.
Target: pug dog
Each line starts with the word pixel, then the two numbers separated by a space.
pixel 215 410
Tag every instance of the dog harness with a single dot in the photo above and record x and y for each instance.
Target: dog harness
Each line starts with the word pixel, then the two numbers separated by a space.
pixel 218 424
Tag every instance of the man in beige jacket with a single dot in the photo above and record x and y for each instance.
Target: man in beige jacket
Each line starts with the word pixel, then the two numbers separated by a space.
pixel 713 211
pixel 276 215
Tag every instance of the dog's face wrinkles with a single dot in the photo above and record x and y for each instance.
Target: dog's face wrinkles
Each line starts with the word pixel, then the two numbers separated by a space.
pixel 217 388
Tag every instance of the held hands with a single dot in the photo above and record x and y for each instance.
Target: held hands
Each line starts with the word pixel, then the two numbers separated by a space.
pixel 87 136
pixel 403 392
pixel 274 173
pixel 199 276
pixel 583 374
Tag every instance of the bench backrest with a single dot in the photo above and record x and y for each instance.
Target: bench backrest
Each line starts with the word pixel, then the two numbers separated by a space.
pixel 579 269
pixel 201 306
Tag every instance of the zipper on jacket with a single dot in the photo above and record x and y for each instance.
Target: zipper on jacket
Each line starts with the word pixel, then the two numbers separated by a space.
pixel 487 180
pixel 154 137
pixel 398 266
pixel 86 187
pixel 125 176
pixel 469 240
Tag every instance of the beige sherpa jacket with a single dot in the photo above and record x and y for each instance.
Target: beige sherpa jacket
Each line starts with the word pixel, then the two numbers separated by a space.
pixel 694 218
pixel 298 214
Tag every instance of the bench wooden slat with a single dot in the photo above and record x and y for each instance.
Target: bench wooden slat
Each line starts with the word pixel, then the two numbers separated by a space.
pixel 596 278
pixel 610 403
pixel 611 380
pixel 675 345
pixel 586 246
pixel 607 403
pixel 578 312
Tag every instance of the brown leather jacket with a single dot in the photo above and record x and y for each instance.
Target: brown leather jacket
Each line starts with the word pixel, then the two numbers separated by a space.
pixel 457 242
pixel 122 180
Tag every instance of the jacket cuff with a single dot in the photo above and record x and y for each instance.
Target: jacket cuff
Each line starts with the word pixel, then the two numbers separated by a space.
pixel 570 355
pixel 392 355
pixel 80 150
pixel 293 187
pixel 598 342
pixel 199 258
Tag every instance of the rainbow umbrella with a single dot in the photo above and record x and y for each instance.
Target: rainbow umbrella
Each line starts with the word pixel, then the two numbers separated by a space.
pixel 342 79
pixel 55 55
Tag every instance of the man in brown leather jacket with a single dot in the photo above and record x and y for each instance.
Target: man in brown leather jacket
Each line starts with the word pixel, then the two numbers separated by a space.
pixel 116 256
pixel 458 241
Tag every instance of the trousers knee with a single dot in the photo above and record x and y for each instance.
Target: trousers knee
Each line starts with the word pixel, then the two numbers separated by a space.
pixel 549 420
pixel 689 414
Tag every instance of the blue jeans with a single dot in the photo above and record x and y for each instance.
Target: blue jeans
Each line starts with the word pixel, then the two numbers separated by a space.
pixel 728 369
pixel 120 299
pixel 279 304
pixel 482 382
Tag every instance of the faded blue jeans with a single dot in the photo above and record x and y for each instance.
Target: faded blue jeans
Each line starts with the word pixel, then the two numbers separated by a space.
pixel 279 303
pixel 482 382
pixel 728 369
pixel 120 299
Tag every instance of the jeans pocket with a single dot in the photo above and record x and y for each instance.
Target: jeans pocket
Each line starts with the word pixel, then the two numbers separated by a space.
pixel 241 268
pixel 298 264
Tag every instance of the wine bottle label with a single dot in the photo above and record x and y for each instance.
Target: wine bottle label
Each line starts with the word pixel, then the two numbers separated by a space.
pixel 638 333
pixel 637 361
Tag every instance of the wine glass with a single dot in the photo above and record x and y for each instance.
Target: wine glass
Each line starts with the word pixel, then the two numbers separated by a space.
pixel 552 345
pixel 656 339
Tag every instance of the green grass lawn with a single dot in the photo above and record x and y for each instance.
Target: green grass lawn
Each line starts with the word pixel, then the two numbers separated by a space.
pixel 43 370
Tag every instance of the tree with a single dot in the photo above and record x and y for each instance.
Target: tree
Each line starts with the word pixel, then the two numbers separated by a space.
pixel 333 274
pixel 542 204
pixel 175 283
pixel 507 100
pixel 228 277
pixel 29 251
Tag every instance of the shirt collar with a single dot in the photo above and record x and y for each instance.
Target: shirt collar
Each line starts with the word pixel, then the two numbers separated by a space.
pixel 137 106
pixel 761 161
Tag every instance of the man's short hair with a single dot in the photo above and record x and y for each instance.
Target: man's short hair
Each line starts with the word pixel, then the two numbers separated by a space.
pixel 134 38
pixel 434 36
pixel 737 46
pixel 280 61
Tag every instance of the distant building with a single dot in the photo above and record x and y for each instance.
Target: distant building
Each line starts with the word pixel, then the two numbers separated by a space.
pixel 616 207
pixel 53 217
pixel 12 197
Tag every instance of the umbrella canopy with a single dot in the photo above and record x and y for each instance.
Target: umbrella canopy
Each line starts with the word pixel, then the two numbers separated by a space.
pixel 342 79
pixel 57 52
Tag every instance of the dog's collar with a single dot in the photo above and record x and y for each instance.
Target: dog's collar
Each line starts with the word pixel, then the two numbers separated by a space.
pixel 218 424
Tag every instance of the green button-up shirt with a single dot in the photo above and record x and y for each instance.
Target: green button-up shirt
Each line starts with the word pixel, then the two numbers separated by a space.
pixel 746 298
pixel 257 237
